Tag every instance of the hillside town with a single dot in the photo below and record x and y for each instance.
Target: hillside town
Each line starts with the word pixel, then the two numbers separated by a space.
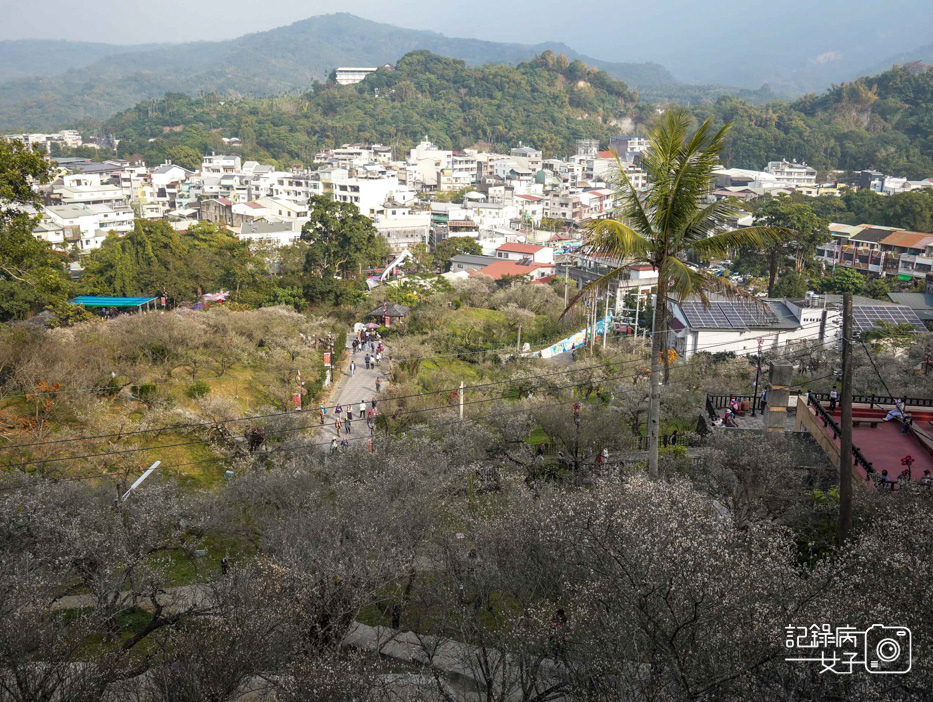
pixel 342 361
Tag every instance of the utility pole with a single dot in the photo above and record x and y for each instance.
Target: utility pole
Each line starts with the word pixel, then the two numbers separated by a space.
pixel 519 349
pixel 637 307
pixel 606 319
pixel 460 393
pixel 566 299
pixel 845 454
pixel 757 376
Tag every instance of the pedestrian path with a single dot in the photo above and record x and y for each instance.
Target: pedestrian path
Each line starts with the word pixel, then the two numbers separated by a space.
pixel 351 389
pixel 362 384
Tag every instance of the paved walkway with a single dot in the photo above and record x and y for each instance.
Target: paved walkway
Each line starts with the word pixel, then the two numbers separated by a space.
pixel 351 389
pixel 362 385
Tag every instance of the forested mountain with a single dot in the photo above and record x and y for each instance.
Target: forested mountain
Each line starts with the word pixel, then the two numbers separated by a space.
pixel 883 122
pixel 549 102
pixel 286 59
pixel 27 58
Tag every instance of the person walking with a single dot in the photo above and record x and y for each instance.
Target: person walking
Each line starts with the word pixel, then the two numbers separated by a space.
pixel 333 444
pixel 362 409
pixel 373 402
pixel 356 346
pixel 378 385
pixel 352 368
pixel 378 356
pixel 368 358
pixel 337 424
pixel 347 426
pixel 833 398
pixel 321 412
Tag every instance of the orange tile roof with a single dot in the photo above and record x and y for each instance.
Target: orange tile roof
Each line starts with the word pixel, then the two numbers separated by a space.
pixel 906 239
pixel 520 248
pixel 502 268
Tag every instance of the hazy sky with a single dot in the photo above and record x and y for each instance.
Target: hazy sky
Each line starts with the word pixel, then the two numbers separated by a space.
pixel 676 33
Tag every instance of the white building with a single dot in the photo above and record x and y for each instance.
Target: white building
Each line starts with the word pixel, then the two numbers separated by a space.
pixel 368 194
pixel 519 252
pixel 403 231
pixel 218 165
pixel 527 157
pixel 736 327
pixel 351 75
pixel 792 173
pixel 269 233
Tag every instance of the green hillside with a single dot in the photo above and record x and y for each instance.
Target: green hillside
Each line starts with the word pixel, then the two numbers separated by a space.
pixel 883 122
pixel 550 102
pixel 283 60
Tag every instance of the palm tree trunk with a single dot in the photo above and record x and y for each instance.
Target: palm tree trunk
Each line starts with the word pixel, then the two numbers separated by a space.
pixel 654 399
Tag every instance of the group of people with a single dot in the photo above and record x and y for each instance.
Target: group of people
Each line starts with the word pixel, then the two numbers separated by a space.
pixel 373 350
pixel 343 420
pixel 727 421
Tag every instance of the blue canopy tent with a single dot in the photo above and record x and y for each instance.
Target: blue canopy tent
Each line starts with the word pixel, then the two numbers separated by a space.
pixel 133 303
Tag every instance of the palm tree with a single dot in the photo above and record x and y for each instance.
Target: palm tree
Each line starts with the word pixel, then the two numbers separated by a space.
pixel 669 219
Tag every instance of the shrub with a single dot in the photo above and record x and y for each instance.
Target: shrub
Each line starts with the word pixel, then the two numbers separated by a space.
pixel 197 389
pixel 146 392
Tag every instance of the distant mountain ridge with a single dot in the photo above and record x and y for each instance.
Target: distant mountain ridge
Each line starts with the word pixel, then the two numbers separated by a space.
pixel 285 59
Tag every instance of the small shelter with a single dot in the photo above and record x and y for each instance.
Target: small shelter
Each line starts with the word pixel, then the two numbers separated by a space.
pixel 132 304
pixel 389 312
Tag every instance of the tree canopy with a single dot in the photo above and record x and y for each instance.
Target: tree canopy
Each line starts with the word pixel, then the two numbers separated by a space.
pixel 31 274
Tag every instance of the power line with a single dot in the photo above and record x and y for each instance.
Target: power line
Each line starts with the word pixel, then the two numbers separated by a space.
pixel 305 427
pixel 137 432
pixel 307 446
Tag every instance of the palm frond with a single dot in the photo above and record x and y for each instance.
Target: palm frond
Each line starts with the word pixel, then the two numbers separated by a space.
pixel 755 237
pixel 707 221
pixel 609 237
pixel 683 281
pixel 633 210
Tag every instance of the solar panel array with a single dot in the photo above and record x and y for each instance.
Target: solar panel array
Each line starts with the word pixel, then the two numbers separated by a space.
pixel 867 317
pixel 727 315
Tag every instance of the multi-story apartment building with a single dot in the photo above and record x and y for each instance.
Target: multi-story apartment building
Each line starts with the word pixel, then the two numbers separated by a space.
pixel 218 165
pixel 527 157
pixel 368 194
pixel 563 206
pixel 792 173
pixel 348 75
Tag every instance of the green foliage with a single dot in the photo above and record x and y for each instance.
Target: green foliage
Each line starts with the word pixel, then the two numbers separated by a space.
pixel 290 296
pixel 197 389
pixel 31 274
pixel 549 102
pixel 341 242
pixel 809 232
pixel 792 284
pixel 186 157
pixel 454 246
pixel 842 281
pixel 879 122
pixel 67 315
pixel 153 258
pixel 146 392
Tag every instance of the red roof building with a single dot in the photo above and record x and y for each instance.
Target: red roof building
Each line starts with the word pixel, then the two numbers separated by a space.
pixel 533 271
